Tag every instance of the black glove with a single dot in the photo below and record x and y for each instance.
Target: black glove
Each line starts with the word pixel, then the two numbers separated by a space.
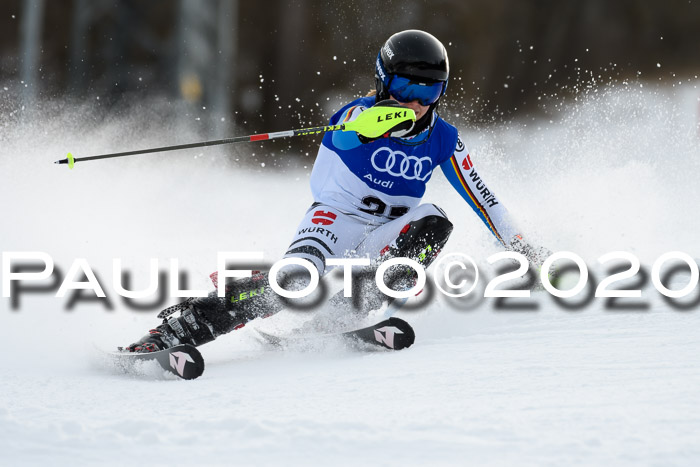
pixel 401 129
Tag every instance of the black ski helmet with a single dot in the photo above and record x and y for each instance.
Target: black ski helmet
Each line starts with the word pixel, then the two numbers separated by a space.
pixel 411 54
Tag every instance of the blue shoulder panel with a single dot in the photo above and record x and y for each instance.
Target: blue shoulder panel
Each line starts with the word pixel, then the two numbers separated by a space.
pixel 392 166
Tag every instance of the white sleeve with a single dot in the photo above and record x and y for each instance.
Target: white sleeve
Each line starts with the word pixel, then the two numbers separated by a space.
pixel 463 176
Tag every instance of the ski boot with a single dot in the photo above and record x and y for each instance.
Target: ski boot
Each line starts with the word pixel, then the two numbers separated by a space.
pixel 191 327
pixel 160 338
pixel 203 319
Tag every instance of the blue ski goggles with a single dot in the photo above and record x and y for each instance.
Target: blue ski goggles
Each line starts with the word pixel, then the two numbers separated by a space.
pixel 407 90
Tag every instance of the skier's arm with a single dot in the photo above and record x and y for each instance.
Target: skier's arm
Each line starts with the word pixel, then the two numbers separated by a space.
pixel 461 173
pixel 463 176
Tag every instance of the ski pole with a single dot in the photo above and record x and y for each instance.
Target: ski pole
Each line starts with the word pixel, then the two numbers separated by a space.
pixel 374 122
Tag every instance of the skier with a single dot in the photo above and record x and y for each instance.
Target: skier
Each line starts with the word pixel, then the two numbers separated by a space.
pixel 367 197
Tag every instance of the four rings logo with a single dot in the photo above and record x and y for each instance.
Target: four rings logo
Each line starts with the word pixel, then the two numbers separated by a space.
pixel 398 164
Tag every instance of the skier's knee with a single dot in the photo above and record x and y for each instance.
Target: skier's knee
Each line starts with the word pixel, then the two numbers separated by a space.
pixel 423 238
pixel 427 209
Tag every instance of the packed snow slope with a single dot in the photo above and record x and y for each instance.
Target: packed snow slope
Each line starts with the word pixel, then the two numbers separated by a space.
pixel 536 383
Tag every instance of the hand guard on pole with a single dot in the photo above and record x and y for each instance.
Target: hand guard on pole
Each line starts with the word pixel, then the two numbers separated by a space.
pixel 399 130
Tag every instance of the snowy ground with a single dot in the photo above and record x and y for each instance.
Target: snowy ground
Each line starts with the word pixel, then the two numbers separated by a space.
pixel 481 386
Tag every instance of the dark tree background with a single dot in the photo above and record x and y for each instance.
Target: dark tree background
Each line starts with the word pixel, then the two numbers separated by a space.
pixel 278 64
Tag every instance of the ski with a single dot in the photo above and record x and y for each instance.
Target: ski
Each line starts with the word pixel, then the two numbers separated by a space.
pixel 184 361
pixel 393 333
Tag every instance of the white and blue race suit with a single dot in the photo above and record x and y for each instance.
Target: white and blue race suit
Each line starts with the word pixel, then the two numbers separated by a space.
pixel 366 193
